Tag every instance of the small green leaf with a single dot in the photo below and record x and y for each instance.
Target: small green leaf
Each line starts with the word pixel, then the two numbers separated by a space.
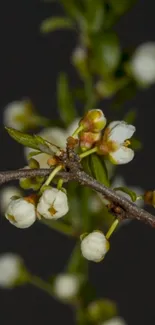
pixel 65 100
pixel 99 170
pixel 126 190
pixel 55 23
pixel 32 141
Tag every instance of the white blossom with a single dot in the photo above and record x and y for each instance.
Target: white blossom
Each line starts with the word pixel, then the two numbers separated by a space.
pixel 6 194
pixel 18 114
pixel 9 269
pixel 56 136
pixel 53 204
pixel 142 64
pixel 21 213
pixel 118 133
pixel 66 286
pixel 114 321
pixel 94 246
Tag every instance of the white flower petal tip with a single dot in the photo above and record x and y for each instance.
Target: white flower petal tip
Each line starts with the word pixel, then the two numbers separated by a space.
pixel 66 286
pixel 18 114
pixel 9 269
pixel 119 131
pixel 94 246
pixel 142 64
pixel 21 213
pixel 121 156
pixel 114 321
pixel 53 204
pixel 6 194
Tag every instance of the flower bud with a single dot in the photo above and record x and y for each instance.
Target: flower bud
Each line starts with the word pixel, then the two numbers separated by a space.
pixel 33 163
pixel 88 139
pixel 19 115
pixel 6 194
pixel 66 286
pixel 10 265
pixel 94 246
pixel 93 121
pixel 142 64
pixel 53 204
pixel 101 309
pixel 21 213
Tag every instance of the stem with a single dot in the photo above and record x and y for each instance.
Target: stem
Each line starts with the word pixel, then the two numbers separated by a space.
pixel 77 131
pixel 131 210
pixel 41 284
pixel 51 176
pixel 60 183
pixel 88 152
pixel 112 228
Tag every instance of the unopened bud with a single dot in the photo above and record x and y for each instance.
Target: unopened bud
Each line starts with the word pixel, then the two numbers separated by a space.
pixel 33 163
pixel 93 121
pixel 66 286
pixel 21 213
pixel 101 309
pixel 88 139
pixel 53 204
pixel 94 246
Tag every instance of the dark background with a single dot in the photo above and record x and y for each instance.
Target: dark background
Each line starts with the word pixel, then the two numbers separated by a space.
pixel 29 65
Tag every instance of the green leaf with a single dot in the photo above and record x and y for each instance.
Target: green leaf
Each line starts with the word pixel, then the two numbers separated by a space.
pixel 126 190
pixel 55 23
pixel 32 141
pixel 106 50
pixel 65 100
pixel 99 170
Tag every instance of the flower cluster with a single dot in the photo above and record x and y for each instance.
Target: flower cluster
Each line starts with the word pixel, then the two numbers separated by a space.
pixel 113 142
pixel 23 212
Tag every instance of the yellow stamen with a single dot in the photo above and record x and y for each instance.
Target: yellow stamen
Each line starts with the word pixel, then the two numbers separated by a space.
pixel 126 143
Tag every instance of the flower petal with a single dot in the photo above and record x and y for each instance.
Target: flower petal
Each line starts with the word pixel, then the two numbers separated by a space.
pixel 120 131
pixel 121 156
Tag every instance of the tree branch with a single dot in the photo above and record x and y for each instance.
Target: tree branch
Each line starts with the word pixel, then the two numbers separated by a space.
pixel 131 211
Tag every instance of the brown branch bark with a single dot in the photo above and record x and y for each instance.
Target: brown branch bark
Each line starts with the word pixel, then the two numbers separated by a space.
pixel 130 210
